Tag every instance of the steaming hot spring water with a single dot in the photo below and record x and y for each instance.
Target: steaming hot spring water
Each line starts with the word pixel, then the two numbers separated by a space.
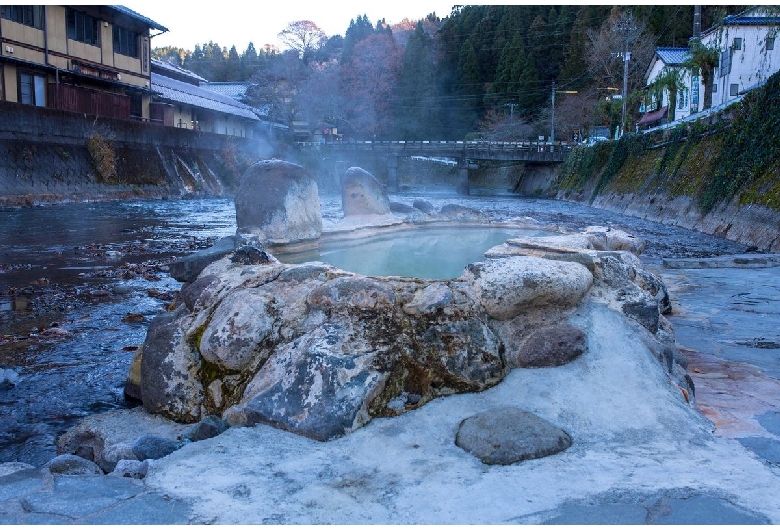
pixel 436 253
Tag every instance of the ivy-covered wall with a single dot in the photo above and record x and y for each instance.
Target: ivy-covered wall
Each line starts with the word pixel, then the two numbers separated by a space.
pixel 714 177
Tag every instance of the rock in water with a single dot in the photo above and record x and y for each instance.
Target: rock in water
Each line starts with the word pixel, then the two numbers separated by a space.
pixel 362 194
pixel 507 435
pixel 278 201
pixel 8 378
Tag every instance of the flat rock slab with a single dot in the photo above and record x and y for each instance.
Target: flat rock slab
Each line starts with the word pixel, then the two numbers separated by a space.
pixel 507 435
pixel 669 508
pixel 28 497
pixel 766 448
pixel 740 261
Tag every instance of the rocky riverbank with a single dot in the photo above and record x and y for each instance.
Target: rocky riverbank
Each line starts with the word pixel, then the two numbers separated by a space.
pixel 639 453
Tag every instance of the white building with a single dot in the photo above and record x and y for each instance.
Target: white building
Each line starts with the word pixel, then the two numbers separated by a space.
pixel 747 58
pixel 748 52
pixel 656 112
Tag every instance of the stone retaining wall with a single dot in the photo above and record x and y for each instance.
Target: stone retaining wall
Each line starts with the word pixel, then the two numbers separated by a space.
pixel 44 157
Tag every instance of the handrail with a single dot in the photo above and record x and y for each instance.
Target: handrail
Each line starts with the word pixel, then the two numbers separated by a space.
pixel 439 146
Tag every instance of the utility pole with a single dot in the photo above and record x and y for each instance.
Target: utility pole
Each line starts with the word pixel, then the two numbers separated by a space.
pixel 626 27
pixel 552 120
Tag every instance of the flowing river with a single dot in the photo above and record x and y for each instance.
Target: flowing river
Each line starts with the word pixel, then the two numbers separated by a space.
pixel 79 284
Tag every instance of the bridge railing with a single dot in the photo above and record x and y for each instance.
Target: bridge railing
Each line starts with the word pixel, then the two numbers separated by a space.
pixel 455 147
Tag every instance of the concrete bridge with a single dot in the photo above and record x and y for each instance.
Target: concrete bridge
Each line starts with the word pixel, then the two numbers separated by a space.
pixel 464 153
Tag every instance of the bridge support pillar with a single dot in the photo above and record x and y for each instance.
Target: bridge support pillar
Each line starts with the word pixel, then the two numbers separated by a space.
pixel 392 174
pixel 463 176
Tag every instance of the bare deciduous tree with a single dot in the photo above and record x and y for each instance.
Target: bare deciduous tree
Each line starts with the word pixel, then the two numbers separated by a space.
pixel 607 47
pixel 503 127
pixel 302 36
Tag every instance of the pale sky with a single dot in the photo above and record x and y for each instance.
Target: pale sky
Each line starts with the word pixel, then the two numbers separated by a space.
pixel 230 22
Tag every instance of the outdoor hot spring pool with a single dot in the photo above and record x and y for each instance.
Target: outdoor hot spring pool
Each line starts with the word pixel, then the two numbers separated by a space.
pixel 432 253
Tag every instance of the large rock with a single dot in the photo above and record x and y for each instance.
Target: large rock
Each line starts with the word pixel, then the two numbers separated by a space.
pixel 362 194
pixel 320 351
pixel 169 369
pixel 278 201
pixel 506 287
pixel 507 435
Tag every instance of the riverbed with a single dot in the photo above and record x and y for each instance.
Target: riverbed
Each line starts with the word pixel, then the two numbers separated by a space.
pixel 79 284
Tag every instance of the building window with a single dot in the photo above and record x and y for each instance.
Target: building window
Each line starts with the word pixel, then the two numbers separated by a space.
pixel 770 43
pixel 714 88
pixel 28 15
pixel 737 44
pixel 32 89
pixel 83 28
pixel 125 42
pixel 733 89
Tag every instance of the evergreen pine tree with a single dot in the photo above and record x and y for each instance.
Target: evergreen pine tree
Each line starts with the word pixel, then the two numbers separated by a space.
pixel 469 89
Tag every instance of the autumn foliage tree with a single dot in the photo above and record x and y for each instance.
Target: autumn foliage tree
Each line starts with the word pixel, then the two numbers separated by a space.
pixel 367 83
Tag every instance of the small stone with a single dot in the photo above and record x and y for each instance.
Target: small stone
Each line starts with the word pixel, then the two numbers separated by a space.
pixel 133 318
pixel 424 206
pixel 8 378
pixel 131 469
pixel 552 346
pixel 153 447
pixel 72 465
pixel 208 427
pixel 248 255
pixel 507 435
pixel 114 454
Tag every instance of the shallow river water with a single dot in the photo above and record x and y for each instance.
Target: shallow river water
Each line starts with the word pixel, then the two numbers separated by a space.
pixel 79 284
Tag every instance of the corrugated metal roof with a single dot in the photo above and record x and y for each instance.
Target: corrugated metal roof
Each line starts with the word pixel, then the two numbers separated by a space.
pixel 187 94
pixel 129 12
pixel 673 56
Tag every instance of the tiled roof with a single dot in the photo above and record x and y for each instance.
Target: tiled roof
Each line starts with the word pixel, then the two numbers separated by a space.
pixel 754 16
pixel 187 94
pixel 237 90
pixel 737 20
pixel 234 90
pixel 673 56
pixel 163 65
pixel 148 21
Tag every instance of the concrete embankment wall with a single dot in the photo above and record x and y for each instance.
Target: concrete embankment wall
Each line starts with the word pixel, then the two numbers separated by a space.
pixel 679 182
pixel 48 155
pixel 750 225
